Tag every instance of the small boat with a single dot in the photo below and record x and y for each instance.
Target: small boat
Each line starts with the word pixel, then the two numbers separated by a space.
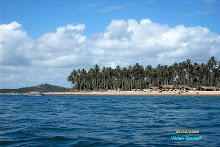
pixel 36 94
pixel 39 94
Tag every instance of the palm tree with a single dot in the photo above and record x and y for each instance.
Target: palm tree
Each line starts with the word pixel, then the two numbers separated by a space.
pixel 73 77
pixel 131 77
pixel 79 79
pixel 104 76
pixel 83 75
pixel 189 71
pixel 96 74
pixel 137 77
pixel 211 65
pixel 148 74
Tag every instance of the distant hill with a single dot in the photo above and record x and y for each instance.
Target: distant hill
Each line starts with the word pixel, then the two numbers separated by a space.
pixel 39 88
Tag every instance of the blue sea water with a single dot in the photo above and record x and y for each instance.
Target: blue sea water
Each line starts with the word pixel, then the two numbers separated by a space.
pixel 108 120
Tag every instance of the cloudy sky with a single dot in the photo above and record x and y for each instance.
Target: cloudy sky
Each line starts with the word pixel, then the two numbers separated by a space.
pixel 42 41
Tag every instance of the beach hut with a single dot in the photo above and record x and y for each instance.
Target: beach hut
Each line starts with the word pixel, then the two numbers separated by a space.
pixel 183 87
pixel 154 88
pixel 167 86
pixel 208 88
pixel 177 87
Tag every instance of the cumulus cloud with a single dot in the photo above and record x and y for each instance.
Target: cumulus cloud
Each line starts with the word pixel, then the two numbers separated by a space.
pixel 14 44
pixel 127 42
pixel 122 43
pixel 65 38
pixel 61 48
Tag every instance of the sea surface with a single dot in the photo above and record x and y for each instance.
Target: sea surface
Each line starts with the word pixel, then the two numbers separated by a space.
pixel 108 120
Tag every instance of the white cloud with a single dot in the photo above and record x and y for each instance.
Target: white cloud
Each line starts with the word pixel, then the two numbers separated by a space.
pixel 14 44
pixel 68 37
pixel 140 42
pixel 123 43
pixel 61 48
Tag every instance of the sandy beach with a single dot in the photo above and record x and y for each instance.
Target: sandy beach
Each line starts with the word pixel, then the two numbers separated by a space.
pixel 189 93
pixel 141 93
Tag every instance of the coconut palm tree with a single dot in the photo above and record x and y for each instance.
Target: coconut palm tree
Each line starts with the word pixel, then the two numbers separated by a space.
pixel 137 77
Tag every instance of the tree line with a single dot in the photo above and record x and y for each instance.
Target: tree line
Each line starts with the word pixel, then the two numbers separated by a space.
pixel 137 77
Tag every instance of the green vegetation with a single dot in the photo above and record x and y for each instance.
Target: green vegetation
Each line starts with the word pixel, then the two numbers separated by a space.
pixel 138 77
pixel 39 88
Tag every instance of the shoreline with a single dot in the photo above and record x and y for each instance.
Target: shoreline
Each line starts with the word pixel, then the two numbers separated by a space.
pixel 140 93
pixel 131 93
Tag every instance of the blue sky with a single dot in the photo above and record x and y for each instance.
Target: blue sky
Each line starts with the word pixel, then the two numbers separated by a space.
pixel 40 16
pixel 42 41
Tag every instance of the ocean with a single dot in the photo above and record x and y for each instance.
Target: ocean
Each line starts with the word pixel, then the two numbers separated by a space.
pixel 109 120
